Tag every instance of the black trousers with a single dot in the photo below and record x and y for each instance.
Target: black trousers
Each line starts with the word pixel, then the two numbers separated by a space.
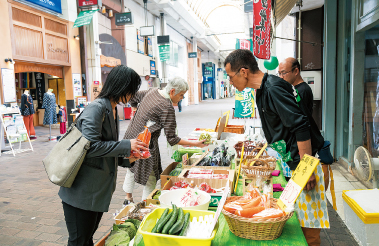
pixel 81 225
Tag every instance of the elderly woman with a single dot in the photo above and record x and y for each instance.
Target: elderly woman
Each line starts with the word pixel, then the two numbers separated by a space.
pixel 91 193
pixel 154 105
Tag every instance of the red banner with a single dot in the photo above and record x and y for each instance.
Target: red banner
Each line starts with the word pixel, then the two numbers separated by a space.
pixel 261 29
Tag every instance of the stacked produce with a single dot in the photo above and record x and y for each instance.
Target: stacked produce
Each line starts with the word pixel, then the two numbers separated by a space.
pixel 207 137
pixel 254 205
pixel 178 169
pixel 174 223
pixel 122 234
pixel 177 155
pixel 157 195
pixel 219 157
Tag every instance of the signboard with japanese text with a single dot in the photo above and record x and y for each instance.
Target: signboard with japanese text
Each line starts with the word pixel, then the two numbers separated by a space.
pixel 123 18
pixel 77 85
pixel 84 18
pixel 245 103
pixel 299 179
pixel 192 55
pixel 208 70
pixel 164 52
pixel 40 87
pixel 152 68
pixel 150 47
pixel 262 26
pixel 88 3
pixel 140 43
pixel 244 44
pixel 54 5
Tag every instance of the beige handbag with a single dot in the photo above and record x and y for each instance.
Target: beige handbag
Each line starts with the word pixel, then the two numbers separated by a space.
pixel 65 159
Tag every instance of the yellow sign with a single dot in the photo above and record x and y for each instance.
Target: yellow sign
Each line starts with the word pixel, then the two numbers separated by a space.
pixel 227 117
pixel 298 181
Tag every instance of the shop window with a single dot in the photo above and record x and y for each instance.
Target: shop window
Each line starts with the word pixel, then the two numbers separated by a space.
pixel 371 92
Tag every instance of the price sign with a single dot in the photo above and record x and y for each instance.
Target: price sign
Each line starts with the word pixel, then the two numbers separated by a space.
pixel 185 159
pixel 298 181
pixel 220 207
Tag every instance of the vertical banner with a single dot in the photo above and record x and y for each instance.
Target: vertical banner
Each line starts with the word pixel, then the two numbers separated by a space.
pixel 150 47
pixel 40 86
pixel 262 28
pixel 245 103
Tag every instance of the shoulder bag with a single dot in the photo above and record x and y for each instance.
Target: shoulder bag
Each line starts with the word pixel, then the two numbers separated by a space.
pixel 65 159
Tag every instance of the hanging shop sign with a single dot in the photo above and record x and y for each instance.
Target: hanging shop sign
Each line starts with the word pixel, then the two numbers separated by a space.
pixel 192 55
pixel 244 44
pixel 164 52
pixel 88 3
pixel 152 68
pixel 140 43
pixel 84 18
pixel 54 5
pixel 40 87
pixel 245 103
pixel 150 47
pixel 122 19
pixel 163 39
pixel 261 26
pixel 9 85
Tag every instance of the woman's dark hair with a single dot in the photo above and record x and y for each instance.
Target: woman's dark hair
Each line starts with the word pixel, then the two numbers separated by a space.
pixel 242 59
pixel 121 82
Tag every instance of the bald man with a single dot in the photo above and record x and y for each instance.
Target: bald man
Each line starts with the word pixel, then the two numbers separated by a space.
pixel 289 70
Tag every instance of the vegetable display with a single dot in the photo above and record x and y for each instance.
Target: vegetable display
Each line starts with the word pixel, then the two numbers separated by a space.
pixel 174 223
pixel 122 234
pixel 219 157
pixel 207 137
pixel 145 137
pixel 177 155
pixel 254 205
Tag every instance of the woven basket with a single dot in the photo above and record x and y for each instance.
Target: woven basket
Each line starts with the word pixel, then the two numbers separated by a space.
pixel 263 166
pixel 249 146
pixel 255 229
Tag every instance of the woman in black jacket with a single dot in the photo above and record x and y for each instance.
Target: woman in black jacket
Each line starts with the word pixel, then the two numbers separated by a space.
pixel 90 194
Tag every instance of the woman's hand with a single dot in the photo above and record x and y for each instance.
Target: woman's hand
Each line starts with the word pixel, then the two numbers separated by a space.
pixel 200 144
pixel 138 146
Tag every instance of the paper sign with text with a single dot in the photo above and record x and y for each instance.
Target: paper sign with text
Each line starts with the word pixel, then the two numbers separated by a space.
pixel 185 159
pixel 220 207
pixel 298 181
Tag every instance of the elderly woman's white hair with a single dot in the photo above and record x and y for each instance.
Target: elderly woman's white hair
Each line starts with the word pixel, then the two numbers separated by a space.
pixel 177 83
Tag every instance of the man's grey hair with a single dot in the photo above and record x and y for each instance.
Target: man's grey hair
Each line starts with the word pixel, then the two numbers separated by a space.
pixel 177 83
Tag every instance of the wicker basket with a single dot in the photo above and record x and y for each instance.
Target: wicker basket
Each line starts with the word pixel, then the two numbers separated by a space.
pixel 233 129
pixel 249 146
pixel 255 229
pixel 263 166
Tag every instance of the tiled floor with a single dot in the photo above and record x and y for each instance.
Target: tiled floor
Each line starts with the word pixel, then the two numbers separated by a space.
pixel 31 211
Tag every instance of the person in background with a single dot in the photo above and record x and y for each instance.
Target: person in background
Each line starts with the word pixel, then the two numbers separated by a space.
pixel 180 105
pixel 289 70
pixel 91 193
pixel 156 106
pixel 283 122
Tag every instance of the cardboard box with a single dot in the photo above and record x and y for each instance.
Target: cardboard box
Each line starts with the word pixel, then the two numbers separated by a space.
pixel 123 213
pixel 165 174
pixel 194 158
pixel 150 200
pixel 198 159
pixel 214 183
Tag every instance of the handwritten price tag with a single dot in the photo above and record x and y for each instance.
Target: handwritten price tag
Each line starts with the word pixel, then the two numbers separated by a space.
pixel 298 181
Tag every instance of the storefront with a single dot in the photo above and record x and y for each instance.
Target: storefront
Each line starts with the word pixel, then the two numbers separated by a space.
pixel 356 103
pixel 44 54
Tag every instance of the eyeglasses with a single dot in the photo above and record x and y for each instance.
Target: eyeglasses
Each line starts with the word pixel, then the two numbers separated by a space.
pixel 230 77
pixel 282 74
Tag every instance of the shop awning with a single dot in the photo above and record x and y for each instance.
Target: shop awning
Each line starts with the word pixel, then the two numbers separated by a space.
pixel 281 9
pixel 84 18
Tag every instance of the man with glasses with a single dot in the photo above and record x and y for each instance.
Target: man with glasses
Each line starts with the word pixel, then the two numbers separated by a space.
pixel 282 121
pixel 289 70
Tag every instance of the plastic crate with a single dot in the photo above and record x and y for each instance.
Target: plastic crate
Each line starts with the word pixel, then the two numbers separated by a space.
pixel 163 239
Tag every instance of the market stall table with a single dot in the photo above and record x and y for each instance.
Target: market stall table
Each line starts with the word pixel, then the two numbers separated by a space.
pixel 292 234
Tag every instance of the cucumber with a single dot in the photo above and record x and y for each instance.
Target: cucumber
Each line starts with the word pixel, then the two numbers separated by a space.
pixel 172 220
pixel 186 223
pixel 165 212
pixel 179 223
pixel 163 223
